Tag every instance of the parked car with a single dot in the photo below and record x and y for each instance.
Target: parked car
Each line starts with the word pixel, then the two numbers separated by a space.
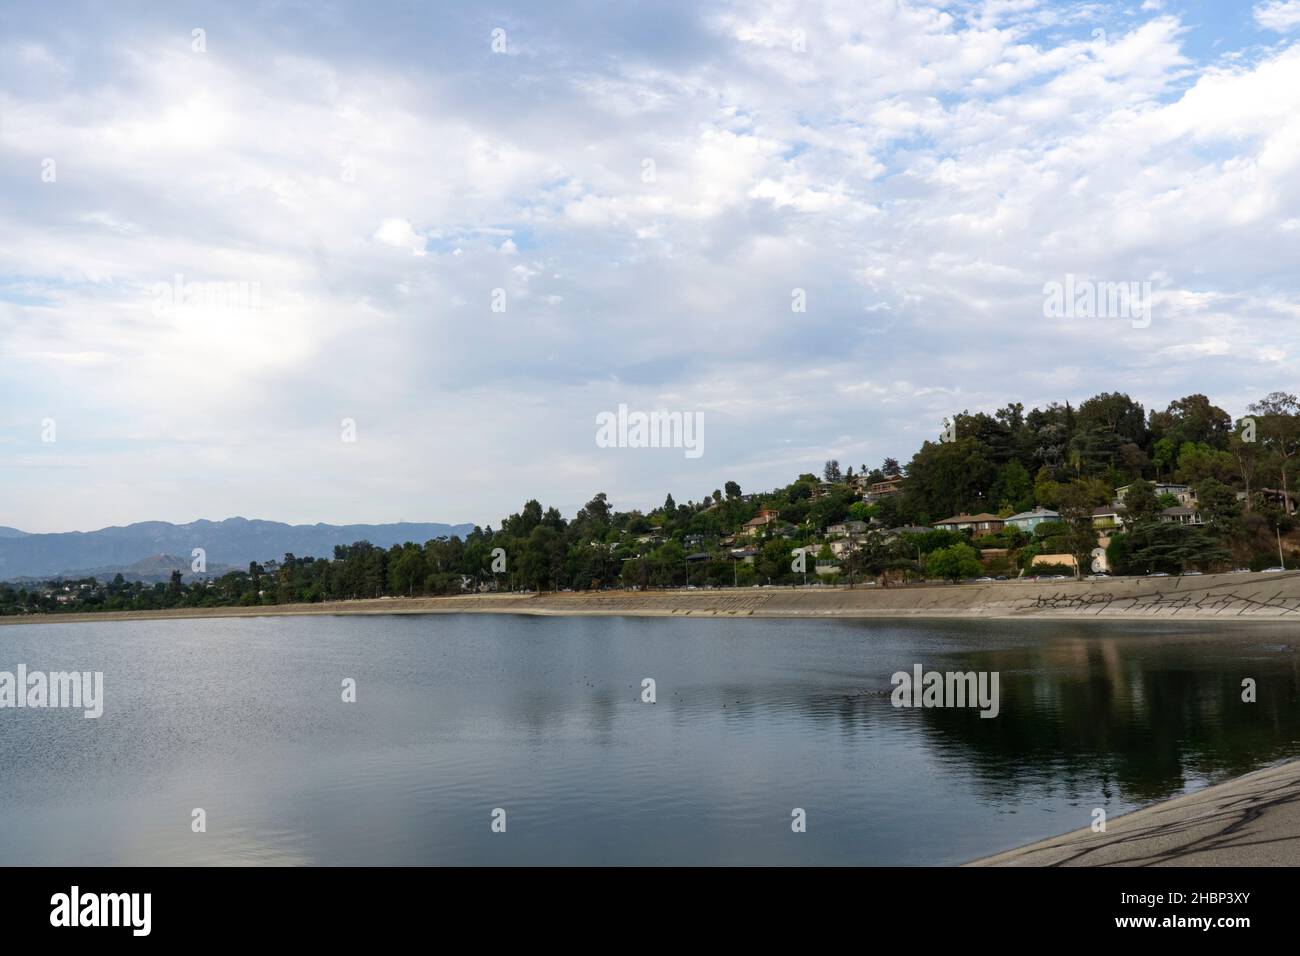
pixel 1158 574
pixel 1241 570
pixel 1191 574
pixel 1273 570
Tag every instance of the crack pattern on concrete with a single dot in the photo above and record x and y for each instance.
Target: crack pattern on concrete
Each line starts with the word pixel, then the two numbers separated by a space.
pixel 1157 603
pixel 1253 820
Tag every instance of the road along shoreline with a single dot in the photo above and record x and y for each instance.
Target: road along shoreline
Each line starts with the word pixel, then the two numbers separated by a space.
pixel 1234 597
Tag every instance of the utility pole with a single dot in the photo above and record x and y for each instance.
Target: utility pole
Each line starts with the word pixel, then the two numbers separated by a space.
pixel 1280 558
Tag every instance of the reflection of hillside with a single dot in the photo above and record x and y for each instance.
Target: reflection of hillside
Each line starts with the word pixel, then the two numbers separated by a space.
pixel 1142 709
pixel 1144 713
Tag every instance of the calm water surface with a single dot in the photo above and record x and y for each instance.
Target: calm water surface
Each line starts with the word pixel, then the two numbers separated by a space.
pixel 458 715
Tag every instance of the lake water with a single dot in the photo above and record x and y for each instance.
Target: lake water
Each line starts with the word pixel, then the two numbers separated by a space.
pixel 459 715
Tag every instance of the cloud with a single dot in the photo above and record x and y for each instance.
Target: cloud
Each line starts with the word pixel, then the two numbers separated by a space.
pixel 1279 15
pixel 647 194
pixel 401 234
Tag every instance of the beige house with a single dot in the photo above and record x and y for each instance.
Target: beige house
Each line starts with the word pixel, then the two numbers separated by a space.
pixel 980 524
pixel 755 526
pixel 1108 517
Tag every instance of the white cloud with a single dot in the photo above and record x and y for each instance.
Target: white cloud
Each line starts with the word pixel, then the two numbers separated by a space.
pixel 920 172
pixel 1279 15
pixel 401 234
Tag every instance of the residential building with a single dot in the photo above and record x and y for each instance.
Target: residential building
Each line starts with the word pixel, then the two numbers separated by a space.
pixel 841 547
pixel 1277 497
pixel 755 526
pixel 847 528
pixel 1183 493
pixel 1108 517
pixel 893 533
pixel 891 485
pixel 980 524
pixel 1029 520
pixel 1180 515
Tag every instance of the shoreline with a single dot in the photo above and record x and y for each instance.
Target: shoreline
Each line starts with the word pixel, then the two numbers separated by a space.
pixel 1250 820
pixel 1236 597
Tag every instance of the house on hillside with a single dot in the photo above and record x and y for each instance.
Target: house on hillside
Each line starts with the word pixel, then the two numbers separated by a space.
pixel 875 490
pixel 1185 496
pixel 1108 517
pixel 1180 515
pixel 755 526
pixel 1029 520
pixel 1278 498
pixel 893 533
pixel 846 528
pixel 980 524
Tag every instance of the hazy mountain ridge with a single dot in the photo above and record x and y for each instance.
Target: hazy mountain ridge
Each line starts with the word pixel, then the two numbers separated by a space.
pixel 233 541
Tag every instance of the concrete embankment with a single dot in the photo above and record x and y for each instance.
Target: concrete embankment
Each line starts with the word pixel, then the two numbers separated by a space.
pixel 1237 597
pixel 1253 820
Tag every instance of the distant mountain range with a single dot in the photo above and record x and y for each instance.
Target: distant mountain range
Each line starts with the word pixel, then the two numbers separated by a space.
pixel 150 549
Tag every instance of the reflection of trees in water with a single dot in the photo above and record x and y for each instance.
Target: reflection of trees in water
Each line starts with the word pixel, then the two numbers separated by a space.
pixel 1145 715
pixel 1083 707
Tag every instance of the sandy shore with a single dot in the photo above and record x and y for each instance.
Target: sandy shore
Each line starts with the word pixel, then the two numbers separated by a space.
pixel 1237 597
pixel 1253 820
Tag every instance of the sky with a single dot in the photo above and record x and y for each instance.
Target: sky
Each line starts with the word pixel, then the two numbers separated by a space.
pixel 468 230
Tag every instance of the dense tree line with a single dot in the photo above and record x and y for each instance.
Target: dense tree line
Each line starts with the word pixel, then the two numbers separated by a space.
pixel 1063 458
pixel 1073 459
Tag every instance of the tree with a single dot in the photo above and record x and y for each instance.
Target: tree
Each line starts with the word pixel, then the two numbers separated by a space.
pixel 1198 461
pixel 1247 455
pixel 1219 508
pixel 1193 419
pixel 1049 431
pixel 1171 547
pixel 1165 456
pixel 1279 428
pixel 1013 488
pixel 407 570
pixel 954 563
pixel 1077 502
pixel 945 478
pixel 1140 503
pixel 732 489
pixel 1105 423
pixel 831 472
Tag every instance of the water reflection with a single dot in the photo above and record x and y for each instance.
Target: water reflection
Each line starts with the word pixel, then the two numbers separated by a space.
pixel 457 715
